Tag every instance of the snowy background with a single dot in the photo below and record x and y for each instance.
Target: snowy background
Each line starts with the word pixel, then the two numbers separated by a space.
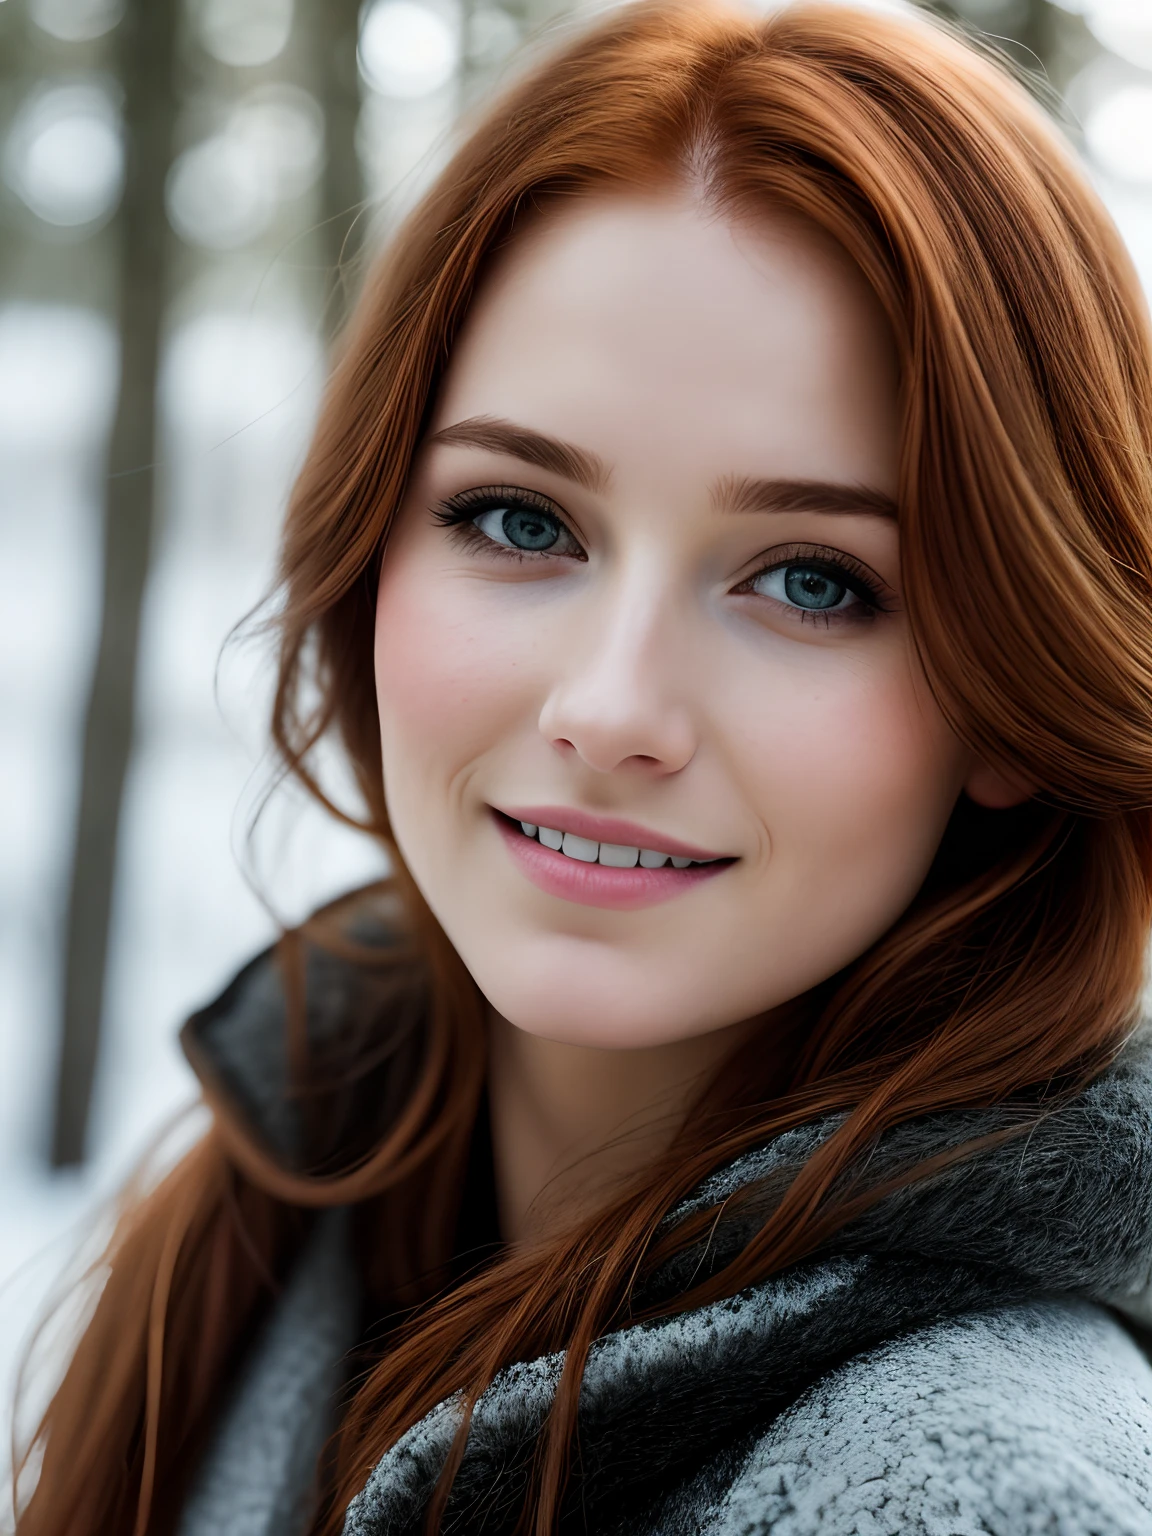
pixel 243 365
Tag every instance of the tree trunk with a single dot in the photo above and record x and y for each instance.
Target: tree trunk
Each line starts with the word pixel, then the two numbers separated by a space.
pixel 343 215
pixel 146 43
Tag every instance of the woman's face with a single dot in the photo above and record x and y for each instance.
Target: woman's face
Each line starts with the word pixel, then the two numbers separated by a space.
pixel 643 600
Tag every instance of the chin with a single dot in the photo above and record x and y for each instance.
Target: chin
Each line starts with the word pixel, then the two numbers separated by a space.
pixel 599 1011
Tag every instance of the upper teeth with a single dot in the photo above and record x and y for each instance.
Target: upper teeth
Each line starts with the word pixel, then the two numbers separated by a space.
pixel 615 855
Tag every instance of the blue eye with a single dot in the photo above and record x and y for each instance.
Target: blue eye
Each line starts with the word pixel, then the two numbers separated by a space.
pixel 525 528
pixel 807 585
pixel 810 588
pixel 495 520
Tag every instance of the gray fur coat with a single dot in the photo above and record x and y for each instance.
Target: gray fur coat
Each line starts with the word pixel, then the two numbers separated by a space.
pixel 967 1358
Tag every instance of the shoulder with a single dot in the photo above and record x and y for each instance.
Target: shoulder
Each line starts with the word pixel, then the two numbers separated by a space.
pixel 1030 1418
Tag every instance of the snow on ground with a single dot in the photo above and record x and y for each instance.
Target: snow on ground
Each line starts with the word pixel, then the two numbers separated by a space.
pixel 239 394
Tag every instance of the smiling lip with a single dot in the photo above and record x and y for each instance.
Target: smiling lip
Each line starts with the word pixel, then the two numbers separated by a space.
pixel 605 829
pixel 598 885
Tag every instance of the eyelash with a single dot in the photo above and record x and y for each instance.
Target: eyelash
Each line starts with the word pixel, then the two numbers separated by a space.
pixel 458 513
pixel 846 570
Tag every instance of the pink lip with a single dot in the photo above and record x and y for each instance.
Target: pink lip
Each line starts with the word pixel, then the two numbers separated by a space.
pixel 596 885
pixel 606 829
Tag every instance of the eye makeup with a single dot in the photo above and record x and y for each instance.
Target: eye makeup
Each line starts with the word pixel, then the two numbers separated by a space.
pixel 814 583
pixel 817 579
pixel 508 522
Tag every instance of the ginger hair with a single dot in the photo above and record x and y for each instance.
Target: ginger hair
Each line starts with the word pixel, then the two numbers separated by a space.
pixel 1025 504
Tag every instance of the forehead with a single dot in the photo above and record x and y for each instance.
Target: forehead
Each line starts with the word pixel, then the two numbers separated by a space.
pixel 651 327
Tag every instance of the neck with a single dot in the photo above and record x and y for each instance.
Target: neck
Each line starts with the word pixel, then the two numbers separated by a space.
pixel 571 1123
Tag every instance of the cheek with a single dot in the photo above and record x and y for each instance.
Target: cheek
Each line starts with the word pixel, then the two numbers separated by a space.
pixel 447 684
pixel 854 776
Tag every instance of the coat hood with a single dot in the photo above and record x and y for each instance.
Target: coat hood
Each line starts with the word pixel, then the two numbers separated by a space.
pixel 1063 1209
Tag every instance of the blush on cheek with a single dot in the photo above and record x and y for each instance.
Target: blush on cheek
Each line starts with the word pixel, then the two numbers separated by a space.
pixel 449 679
pixel 430 672
pixel 424 662
pixel 859 787
pixel 907 782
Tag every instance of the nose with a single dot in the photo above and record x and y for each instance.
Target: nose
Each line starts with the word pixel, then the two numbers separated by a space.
pixel 621 698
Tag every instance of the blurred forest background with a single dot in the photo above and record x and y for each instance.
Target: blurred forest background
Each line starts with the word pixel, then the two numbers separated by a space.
pixel 189 190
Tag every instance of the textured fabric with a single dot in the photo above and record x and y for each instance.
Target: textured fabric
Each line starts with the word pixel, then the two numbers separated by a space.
pixel 957 1362
pixel 256 1477
pixel 1029 1416
pixel 922 1379
pixel 1035 1418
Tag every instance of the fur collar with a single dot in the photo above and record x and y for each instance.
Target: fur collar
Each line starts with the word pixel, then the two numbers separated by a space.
pixel 1066 1204
pixel 1064 1209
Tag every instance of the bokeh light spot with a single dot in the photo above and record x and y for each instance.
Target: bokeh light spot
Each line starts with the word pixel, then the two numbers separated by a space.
pixel 1124 26
pixel 408 49
pixel 492 35
pixel 76 21
pixel 1118 132
pixel 64 156
pixel 244 33
pixel 224 192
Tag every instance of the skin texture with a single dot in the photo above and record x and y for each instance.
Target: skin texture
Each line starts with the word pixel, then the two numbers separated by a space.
pixel 637 673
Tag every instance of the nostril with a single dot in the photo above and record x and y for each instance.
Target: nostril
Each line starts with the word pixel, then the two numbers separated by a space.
pixel 652 740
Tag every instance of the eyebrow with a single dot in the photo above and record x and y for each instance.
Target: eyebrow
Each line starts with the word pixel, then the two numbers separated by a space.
pixel 551 453
pixel 732 493
pixel 742 494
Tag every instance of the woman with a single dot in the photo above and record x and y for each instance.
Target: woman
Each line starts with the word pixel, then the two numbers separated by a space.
pixel 724 560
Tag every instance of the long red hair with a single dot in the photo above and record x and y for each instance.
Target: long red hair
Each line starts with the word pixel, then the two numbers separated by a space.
pixel 1026 528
